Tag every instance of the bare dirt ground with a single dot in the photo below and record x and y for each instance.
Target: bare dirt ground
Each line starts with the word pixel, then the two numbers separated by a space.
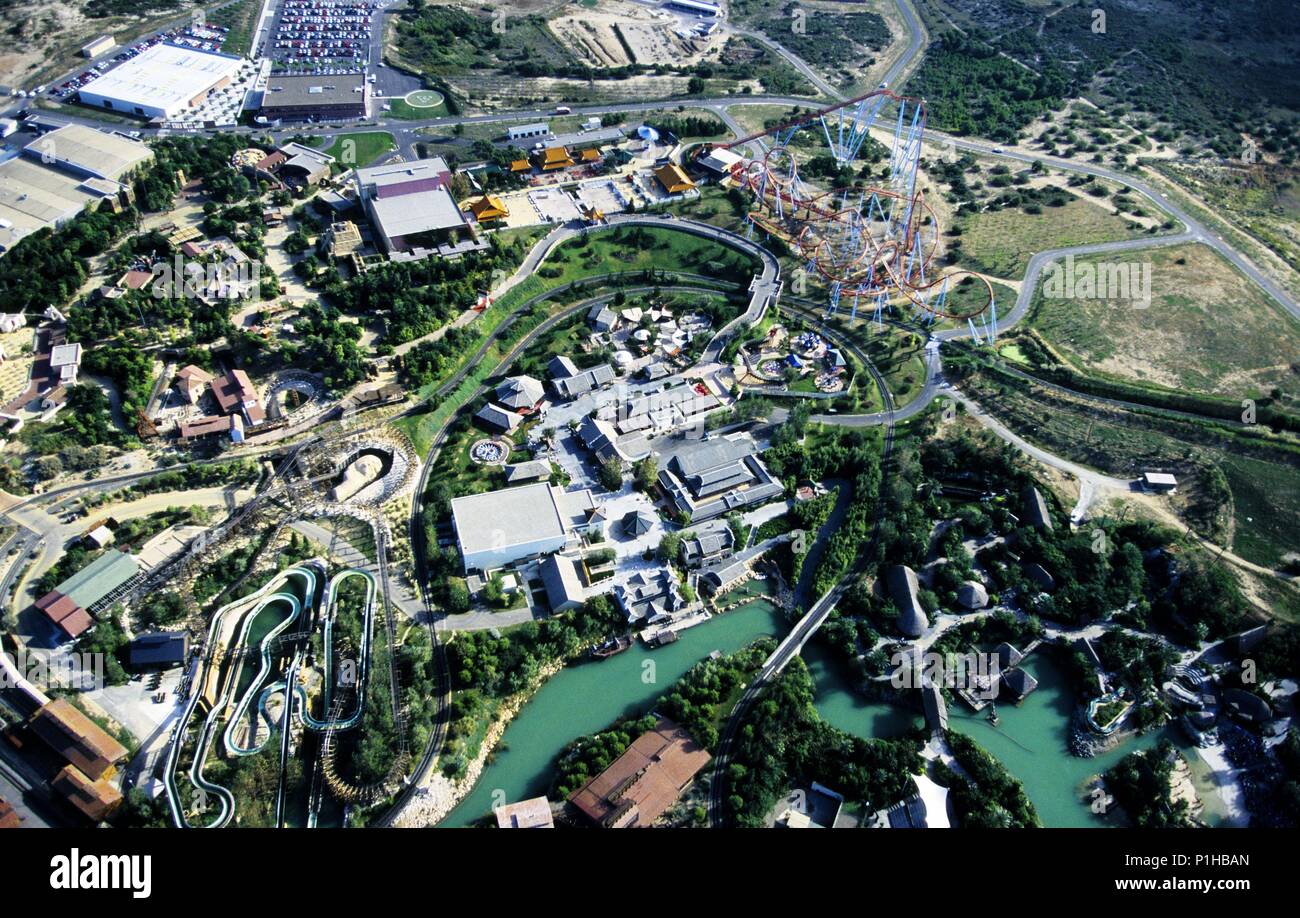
pixel 41 39
pixel 506 92
pixel 652 37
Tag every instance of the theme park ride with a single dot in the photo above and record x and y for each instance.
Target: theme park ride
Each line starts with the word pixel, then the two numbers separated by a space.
pixel 872 245
pixel 251 689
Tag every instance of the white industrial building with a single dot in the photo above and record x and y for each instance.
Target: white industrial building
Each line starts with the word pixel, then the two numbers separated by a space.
pixel 503 527
pixel 161 82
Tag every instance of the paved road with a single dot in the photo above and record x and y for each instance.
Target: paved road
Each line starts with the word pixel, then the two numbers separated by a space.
pixel 1196 231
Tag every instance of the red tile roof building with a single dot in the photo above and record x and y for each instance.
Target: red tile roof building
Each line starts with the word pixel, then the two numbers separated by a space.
pixel 95 800
pixel 644 781
pixel 78 739
pixel 64 613
pixel 234 392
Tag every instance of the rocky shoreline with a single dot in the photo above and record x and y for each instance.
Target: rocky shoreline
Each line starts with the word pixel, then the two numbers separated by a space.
pixel 1085 743
pixel 439 795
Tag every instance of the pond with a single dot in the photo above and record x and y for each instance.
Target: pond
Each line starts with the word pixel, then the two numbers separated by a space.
pixel 1031 739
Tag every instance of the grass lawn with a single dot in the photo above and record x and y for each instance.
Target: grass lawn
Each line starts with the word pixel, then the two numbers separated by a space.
pixel 899 355
pixel 754 118
pixel 1001 242
pixel 640 249
pixel 1266 508
pixel 400 108
pixel 239 18
pixel 361 148
pixel 1208 330
pixel 1013 353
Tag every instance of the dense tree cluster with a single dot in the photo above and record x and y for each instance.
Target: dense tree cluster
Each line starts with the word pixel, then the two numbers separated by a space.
pixel 972 89
pixel 990 797
pixel 416 297
pixel 48 267
pixel 1139 782
pixel 784 741
pixel 501 666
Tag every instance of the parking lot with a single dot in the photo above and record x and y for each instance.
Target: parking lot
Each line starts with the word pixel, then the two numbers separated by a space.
pixel 322 36
pixel 199 37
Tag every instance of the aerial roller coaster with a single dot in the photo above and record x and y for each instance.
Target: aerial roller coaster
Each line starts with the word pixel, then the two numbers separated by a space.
pixel 258 650
pixel 871 246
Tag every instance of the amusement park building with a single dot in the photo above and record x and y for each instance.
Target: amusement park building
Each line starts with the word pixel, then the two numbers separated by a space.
pixel 497 528
pixel 160 82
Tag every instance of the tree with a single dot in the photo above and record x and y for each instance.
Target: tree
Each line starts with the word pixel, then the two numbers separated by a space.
pixel 668 547
pixel 739 530
pixel 646 473
pixel 611 474
pixel 47 467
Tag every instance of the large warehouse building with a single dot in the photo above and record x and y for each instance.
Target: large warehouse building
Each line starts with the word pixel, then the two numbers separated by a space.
pixel 503 527
pixel 61 174
pixel 410 205
pixel 161 82
pixel 316 98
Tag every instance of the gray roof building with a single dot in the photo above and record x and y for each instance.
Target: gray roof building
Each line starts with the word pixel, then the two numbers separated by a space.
pixel 99 578
pixel 1019 682
pixel 533 470
pixel 297 97
pixel 413 214
pixel 708 546
pixel 936 709
pixel 904 590
pixel 520 392
pixel 712 477
pixel 580 511
pixel 649 596
pixel 584 381
pixel 586 138
pixel 397 179
pixel 499 418
pixel 501 527
pixel 637 522
pixel 601 438
pixel 666 409
pixel 563 584
pixel 1008 656
pixel 602 317
pixel 159 649
pixel 311 163
pixel 1040 576
pixel 723 577
pixel 1036 509
pixel 972 595
pixel 561 366
pixel 525 131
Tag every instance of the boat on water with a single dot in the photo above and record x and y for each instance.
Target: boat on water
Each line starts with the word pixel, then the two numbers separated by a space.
pixel 663 637
pixel 993 714
pixel 613 646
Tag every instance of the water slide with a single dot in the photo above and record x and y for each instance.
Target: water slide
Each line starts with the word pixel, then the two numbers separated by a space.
pixel 228 685
pixel 225 669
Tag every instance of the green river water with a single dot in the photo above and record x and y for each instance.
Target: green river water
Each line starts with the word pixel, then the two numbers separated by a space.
pixel 587 697
pixel 1031 739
